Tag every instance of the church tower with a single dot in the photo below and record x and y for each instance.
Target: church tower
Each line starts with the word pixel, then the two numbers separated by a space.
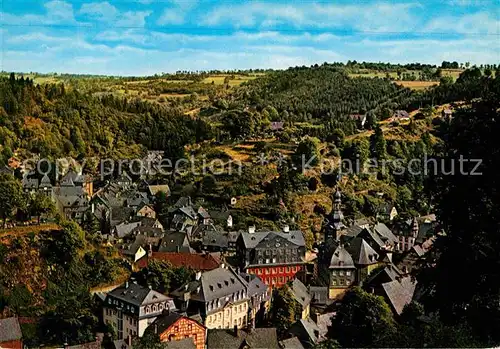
pixel 334 223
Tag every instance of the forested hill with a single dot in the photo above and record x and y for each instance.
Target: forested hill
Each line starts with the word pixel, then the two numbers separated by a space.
pixel 321 93
pixel 53 120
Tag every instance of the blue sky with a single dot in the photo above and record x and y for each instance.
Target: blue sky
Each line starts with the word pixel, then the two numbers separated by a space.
pixel 141 37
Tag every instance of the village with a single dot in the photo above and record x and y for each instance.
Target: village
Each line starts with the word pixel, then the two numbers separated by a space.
pixel 227 303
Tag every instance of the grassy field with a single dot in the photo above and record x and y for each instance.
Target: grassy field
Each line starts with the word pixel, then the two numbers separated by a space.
pixel 234 80
pixel 417 85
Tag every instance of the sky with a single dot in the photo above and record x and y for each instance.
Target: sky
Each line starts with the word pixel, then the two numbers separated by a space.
pixel 144 37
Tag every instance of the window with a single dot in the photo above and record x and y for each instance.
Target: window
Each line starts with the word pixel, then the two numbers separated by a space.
pixel 281 269
pixel 341 282
pixel 287 269
pixel 334 272
pixel 274 260
pixel 334 282
pixel 267 260
pixel 348 273
pixel 341 273
pixel 267 271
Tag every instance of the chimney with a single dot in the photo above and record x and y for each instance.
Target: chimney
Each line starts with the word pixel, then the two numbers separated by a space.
pixel 235 330
pixel 150 250
pixel 150 287
pixel 286 228
pixel 251 229
pixel 129 342
pixel 177 249
pixel 156 328
pixel 223 265
pixel 198 275
pixel 126 284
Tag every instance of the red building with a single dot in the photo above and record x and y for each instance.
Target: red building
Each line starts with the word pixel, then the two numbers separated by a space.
pixel 10 334
pixel 276 257
pixel 175 327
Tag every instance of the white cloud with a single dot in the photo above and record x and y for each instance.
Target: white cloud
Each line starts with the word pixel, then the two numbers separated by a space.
pixel 57 12
pixel 101 11
pixel 171 16
pixel 107 13
pixel 375 16
pixel 475 23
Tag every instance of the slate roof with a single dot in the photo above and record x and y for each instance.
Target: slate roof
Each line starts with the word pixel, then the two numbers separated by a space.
pixel 353 230
pixel 124 229
pixel 258 338
pixel 307 327
pixel 401 114
pixel 119 214
pixel 251 240
pixel 10 330
pixel 215 238
pixel 291 343
pixel 361 252
pixel 300 293
pixel 385 233
pixel 214 284
pixel 175 242
pixel 323 321
pixel 203 213
pixel 341 258
pixel 319 295
pixel 137 295
pixel 188 211
pixel 399 293
pixel 164 321
pixel 418 250
pixel 373 235
pixel 255 285
pixel 185 343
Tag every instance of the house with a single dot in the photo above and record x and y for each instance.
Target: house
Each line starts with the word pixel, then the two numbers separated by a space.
pixel 276 126
pixel 171 327
pixel 291 343
pixel 276 257
pixel 400 115
pixel 306 331
pixel 131 308
pixel 364 257
pixel 359 118
pixel 97 344
pixel 219 296
pixel 195 261
pixel 235 338
pixel 301 294
pixel 146 210
pixel 153 190
pixel 319 297
pixel 260 298
pixel 387 212
pixel 10 333
pixel 175 242
pixel 447 114
pixel 342 273
pixel 398 293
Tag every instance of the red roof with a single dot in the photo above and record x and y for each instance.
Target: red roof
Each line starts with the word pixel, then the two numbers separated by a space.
pixel 195 261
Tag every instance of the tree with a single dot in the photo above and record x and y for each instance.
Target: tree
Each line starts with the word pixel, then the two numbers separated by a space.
pixel 470 219
pixel 11 197
pixel 209 184
pixel 378 146
pixel 163 277
pixel 285 310
pixel 307 153
pixel 362 320
pixel 41 204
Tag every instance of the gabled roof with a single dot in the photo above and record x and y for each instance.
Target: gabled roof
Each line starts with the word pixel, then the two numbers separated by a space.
pixel 385 233
pixel 399 293
pixel 307 327
pixel 203 213
pixel 137 295
pixel 341 258
pixel 214 284
pixel 185 343
pixel 255 284
pixel 291 343
pixel 251 240
pixel 155 189
pixel 195 261
pixel 175 242
pixel 300 293
pixel 367 233
pixel 10 330
pixel 319 295
pixel 258 338
pixel 124 229
pixel 166 320
pixel 361 252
